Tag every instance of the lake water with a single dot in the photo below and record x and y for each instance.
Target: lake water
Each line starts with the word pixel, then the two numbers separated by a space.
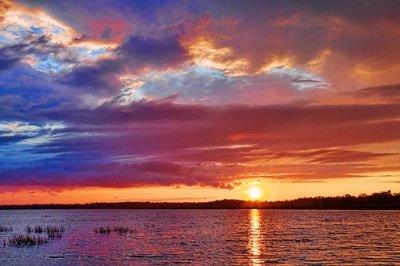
pixel 208 237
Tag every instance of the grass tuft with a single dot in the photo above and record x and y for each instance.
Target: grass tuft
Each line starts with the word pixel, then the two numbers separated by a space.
pixel 102 230
pixel 121 229
pixel 51 230
pixel 25 240
pixel 107 230
pixel 55 231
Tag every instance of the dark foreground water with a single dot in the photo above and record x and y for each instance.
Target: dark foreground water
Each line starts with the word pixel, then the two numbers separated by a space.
pixel 208 237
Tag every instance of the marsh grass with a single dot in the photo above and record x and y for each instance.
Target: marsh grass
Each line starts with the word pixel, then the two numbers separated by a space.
pixel 25 240
pixel 102 230
pixel 5 229
pixel 107 230
pixel 37 229
pixel 122 230
pixel 33 236
pixel 54 231
pixel 51 230
pixel 54 235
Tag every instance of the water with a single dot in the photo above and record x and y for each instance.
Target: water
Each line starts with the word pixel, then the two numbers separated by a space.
pixel 209 237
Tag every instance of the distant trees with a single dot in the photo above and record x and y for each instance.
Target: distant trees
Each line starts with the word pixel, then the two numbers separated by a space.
pixel 381 200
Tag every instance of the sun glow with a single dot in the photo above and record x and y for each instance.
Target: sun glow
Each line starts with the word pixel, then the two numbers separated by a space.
pixel 254 193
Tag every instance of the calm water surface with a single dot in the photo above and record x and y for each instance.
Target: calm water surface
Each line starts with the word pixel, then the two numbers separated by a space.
pixel 209 237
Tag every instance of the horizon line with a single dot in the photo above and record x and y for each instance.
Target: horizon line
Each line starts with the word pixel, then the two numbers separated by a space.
pixel 376 199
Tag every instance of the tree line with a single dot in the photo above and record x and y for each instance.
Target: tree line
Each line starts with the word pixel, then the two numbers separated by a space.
pixel 379 201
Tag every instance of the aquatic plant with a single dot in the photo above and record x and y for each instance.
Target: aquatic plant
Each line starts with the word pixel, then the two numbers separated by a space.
pixel 122 230
pixel 35 229
pixel 25 240
pixel 38 229
pixel 52 235
pixel 107 230
pixel 55 231
pixel 51 230
pixel 5 229
pixel 102 230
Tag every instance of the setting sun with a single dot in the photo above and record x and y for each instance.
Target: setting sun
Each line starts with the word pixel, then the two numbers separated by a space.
pixel 254 193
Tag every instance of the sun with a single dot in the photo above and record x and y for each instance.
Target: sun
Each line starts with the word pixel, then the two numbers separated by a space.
pixel 254 193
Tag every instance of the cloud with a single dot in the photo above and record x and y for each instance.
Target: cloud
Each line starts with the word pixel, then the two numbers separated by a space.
pixel 38 52
pixel 348 49
pixel 134 55
pixel 4 5
pixel 101 77
pixel 148 52
pixel 333 155
pixel 162 143
pixel 238 38
pixel 7 59
pixel 387 93
pixel 115 22
pixel 151 173
pixel 33 37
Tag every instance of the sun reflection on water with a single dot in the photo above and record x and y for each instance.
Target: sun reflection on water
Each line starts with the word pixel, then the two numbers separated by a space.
pixel 255 237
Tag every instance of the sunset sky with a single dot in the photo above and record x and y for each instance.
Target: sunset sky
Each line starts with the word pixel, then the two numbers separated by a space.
pixel 197 100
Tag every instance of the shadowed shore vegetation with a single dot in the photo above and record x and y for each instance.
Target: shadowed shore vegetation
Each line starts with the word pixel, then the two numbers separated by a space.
pixel 376 201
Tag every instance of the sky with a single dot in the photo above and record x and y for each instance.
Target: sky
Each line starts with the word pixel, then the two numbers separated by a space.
pixel 197 100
